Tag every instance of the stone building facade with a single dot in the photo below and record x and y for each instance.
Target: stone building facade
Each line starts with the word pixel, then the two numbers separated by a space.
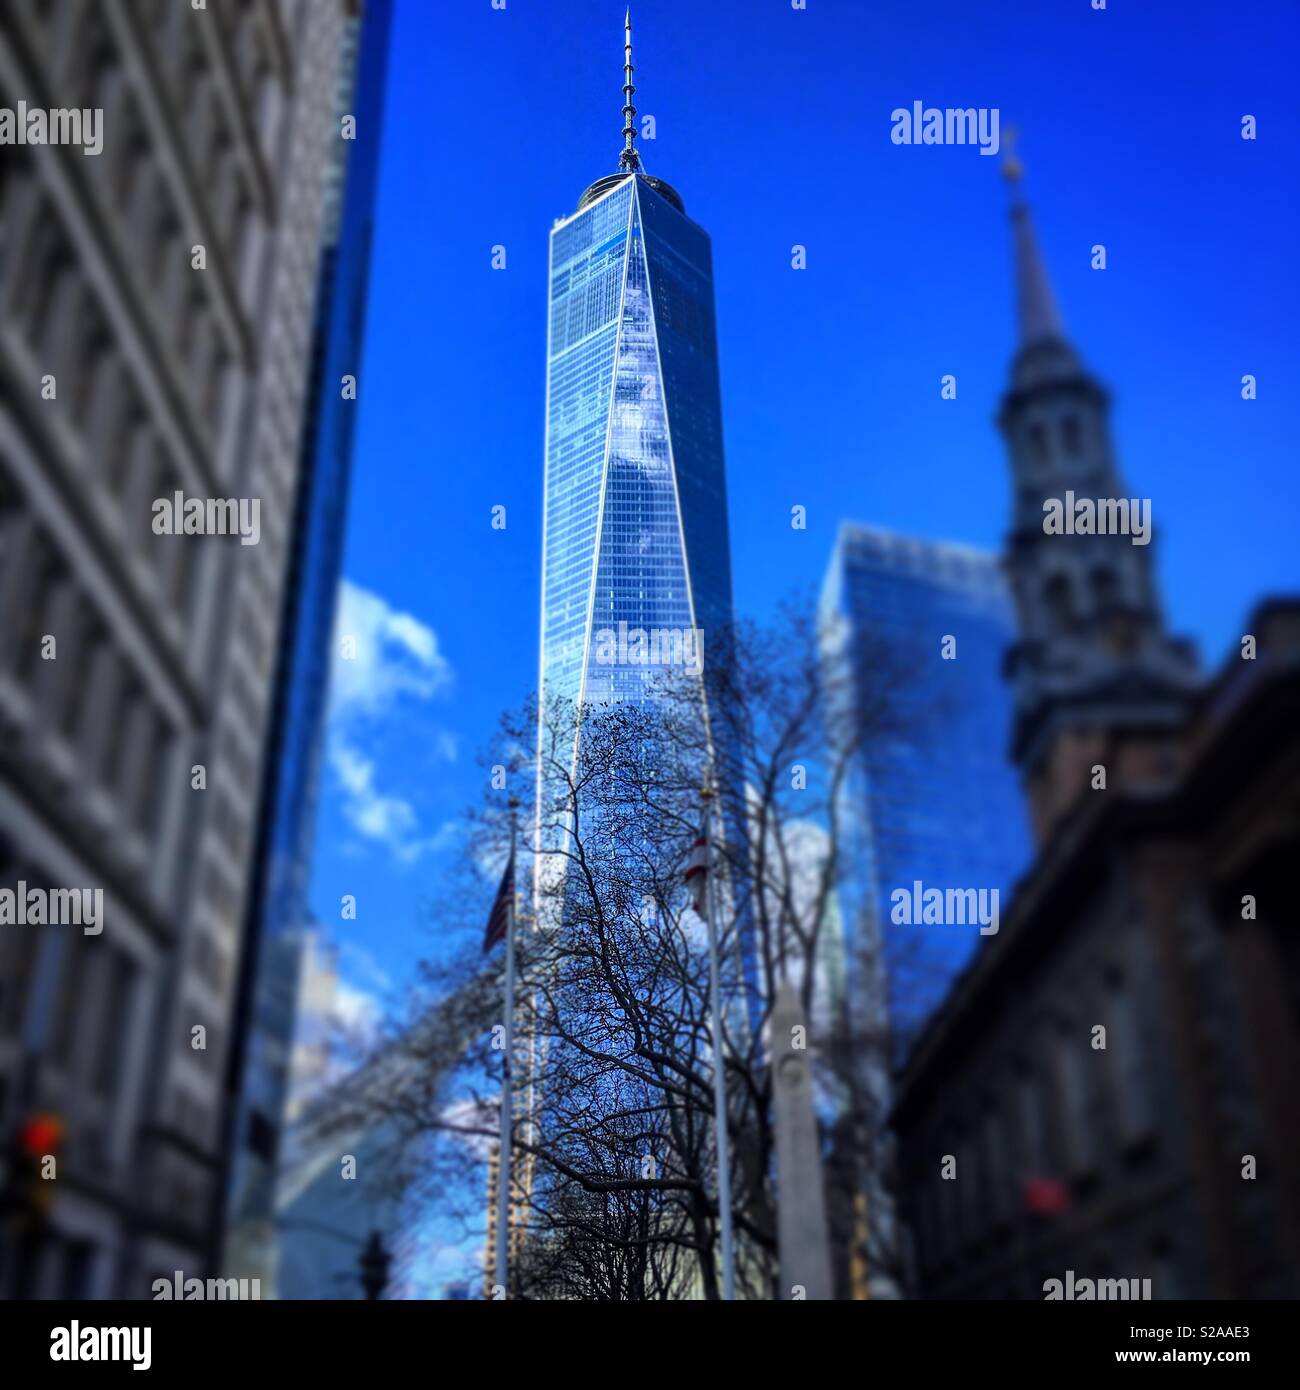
pixel 134 366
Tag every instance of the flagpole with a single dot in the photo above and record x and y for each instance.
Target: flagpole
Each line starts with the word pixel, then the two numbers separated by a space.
pixel 719 1078
pixel 507 1107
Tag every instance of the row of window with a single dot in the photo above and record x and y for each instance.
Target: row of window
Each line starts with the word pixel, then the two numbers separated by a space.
pixel 1043 438
pixel 53 304
pixel 92 994
pixel 130 179
pixel 1069 601
pixel 86 692
pixel 1048 1125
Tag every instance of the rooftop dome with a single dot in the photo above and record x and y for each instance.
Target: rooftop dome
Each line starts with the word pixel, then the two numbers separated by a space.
pixel 603 185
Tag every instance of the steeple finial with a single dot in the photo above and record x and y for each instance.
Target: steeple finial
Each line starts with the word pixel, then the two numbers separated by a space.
pixel 629 161
pixel 1036 304
pixel 1012 169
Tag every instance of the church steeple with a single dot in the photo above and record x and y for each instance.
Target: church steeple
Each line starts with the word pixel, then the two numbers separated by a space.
pixel 1096 675
pixel 1040 319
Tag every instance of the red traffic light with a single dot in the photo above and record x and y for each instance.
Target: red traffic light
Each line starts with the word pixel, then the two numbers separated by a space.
pixel 41 1135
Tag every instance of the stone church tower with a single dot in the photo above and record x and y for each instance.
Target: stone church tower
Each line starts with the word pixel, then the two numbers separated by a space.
pixel 1098 681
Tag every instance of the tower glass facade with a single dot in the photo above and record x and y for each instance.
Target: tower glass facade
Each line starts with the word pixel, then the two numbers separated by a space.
pixel 636 524
pixel 941 803
pixel 277 910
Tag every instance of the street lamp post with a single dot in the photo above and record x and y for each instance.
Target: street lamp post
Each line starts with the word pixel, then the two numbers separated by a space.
pixel 374 1261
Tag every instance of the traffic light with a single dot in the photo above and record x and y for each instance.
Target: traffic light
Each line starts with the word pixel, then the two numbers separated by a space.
pixel 41 1135
pixel 39 1141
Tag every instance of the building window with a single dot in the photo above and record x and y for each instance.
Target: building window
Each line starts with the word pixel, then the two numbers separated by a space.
pixel 134 157
pixel 105 400
pixel 1105 589
pixel 52 271
pixel 1033 1129
pixel 10 510
pixel 18 196
pixel 1059 602
pixel 93 54
pixel 182 574
pixel 122 454
pixel 158 785
pixel 143 744
pixel 18 947
pixel 971 1179
pixel 71 999
pixel 82 645
pixel 1129 1079
pixel 995 1165
pixel 118 735
pixel 114 1021
pixel 33 625
pixel 1072 436
pixel 1072 1070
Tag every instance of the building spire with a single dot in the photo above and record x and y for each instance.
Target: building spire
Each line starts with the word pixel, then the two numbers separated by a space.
pixel 629 161
pixel 1040 320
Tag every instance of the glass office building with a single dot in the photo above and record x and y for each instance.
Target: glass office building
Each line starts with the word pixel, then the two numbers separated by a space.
pixel 635 534
pixel 277 904
pixel 636 510
pixel 937 801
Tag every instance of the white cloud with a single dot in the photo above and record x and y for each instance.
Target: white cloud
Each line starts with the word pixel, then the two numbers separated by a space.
pixel 394 656
pixel 357 1011
pixel 383 659
pixel 360 966
pixel 376 815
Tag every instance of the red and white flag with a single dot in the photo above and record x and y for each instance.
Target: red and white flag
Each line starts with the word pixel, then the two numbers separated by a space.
pixel 697 871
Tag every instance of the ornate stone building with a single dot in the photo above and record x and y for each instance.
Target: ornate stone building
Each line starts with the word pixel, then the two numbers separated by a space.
pixel 133 366
pixel 1109 1088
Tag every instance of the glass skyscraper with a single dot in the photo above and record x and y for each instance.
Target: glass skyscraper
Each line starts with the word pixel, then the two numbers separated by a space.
pixel 636 507
pixel 277 907
pixel 938 801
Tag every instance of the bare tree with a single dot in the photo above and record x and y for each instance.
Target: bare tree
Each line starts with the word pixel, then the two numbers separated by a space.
pixel 614 1158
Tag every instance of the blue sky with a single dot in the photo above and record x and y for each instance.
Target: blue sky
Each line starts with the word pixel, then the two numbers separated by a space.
pixel 774 125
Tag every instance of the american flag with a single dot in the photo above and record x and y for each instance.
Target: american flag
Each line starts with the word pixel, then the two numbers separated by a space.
pixel 499 918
